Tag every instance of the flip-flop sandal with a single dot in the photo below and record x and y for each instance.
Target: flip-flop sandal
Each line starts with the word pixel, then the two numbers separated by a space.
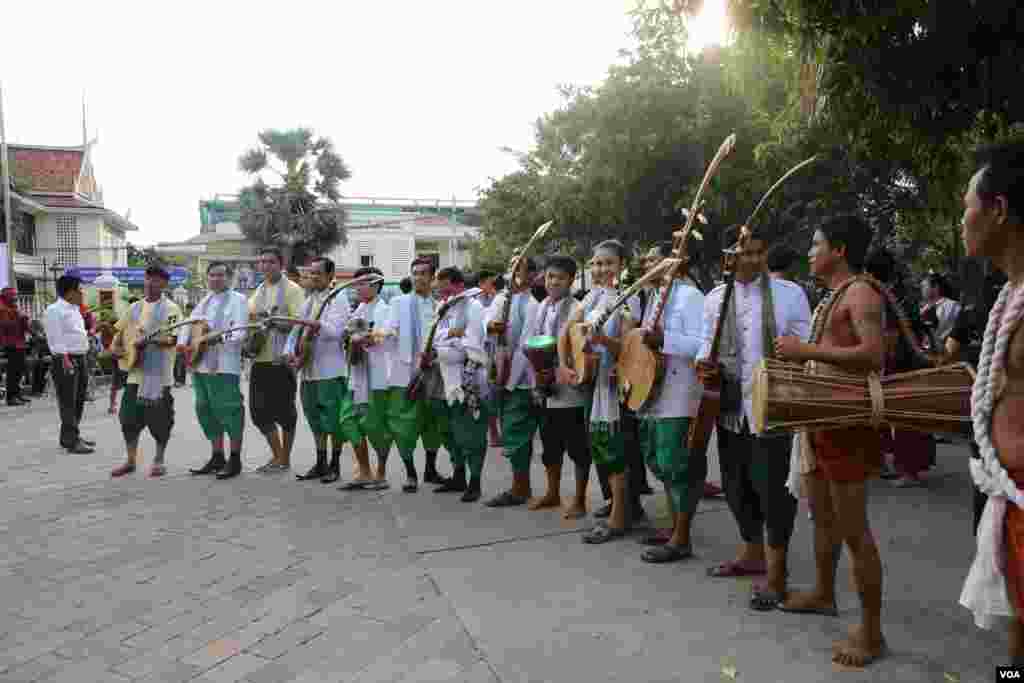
pixel 602 534
pixel 823 611
pixel 378 485
pixel 122 470
pixel 505 500
pixel 667 553
pixel 766 600
pixel 735 570
pixel 355 485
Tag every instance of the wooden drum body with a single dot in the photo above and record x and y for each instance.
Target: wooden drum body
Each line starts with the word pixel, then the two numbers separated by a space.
pixel 935 400
pixel 542 352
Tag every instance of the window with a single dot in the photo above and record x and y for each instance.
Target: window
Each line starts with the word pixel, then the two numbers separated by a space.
pixel 67 241
pixel 27 236
pixel 400 260
pixel 366 260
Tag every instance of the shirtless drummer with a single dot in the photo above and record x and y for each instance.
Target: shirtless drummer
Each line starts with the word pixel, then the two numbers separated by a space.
pixel 848 339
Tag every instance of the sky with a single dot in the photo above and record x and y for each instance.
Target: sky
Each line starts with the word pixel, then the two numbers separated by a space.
pixel 417 97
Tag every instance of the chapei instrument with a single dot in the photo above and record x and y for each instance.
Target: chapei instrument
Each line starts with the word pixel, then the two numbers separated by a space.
pixel 583 360
pixel 416 390
pixel 202 339
pixel 710 406
pixel 642 369
pixel 933 400
pixel 500 368
pixel 304 348
pixel 130 341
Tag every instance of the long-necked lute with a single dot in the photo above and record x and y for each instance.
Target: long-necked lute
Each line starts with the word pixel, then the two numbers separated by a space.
pixel 502 364
pixel 417 383
pixel 130 341
pixel 641 368
pixel 710 406
pixel 583 359
pixel 304 348
pixel 200 343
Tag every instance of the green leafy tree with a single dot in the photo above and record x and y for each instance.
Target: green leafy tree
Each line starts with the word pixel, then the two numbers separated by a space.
pixel 300 211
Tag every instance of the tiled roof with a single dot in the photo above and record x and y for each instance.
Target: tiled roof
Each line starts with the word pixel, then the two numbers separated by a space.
pixel 46 169
pixel 63 201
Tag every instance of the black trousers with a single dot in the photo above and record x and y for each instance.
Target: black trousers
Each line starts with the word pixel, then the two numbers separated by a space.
pixel 636 474
pixel 272 390
pixel 39 365
pixel 754 473
pixel 15 370
pixel 179 368
pixel 70 387
pixel 564 430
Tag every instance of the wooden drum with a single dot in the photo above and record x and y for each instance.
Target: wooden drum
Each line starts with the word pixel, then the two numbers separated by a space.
pixel 935 400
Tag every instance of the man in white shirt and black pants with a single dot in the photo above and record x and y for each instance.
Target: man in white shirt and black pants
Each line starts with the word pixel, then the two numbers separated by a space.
pixel 754 468
pixel 68 342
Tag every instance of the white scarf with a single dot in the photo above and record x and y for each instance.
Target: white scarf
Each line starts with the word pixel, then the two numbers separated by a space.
pixel 604 407
pixel 984 591
pixel 278 339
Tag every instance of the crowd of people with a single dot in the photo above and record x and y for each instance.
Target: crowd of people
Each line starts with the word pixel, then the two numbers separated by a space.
pixel 445 364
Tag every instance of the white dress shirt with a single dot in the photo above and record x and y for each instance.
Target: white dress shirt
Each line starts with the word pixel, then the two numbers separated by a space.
pixel 327 360
pixel 680 391
pixel 65 329
pixel 226 356
pixel 792 319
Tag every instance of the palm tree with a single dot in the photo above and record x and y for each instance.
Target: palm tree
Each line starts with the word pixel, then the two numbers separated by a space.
pixel 302 213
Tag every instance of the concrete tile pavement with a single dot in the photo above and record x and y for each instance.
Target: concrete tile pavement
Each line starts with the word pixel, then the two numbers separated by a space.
pixel 265 579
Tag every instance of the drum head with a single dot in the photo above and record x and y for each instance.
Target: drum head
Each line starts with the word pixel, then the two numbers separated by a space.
pixel 541 342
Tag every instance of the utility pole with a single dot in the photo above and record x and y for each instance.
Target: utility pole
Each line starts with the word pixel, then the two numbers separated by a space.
pixel 5 179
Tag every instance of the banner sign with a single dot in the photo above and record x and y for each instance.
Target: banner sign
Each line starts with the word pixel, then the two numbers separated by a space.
pixel 131 277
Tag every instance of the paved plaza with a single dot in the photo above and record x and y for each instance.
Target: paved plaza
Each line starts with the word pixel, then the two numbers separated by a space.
pixel 266 579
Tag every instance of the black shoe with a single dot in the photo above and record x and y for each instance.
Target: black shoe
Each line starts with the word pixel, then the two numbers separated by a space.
pixel 233 468
pixel 472 493
pixel 80 449
pixel 454 484
pixel 410 486
pixel 318 470
pixel 604 511
pixel 431 476
pixel 18 401
pixel 332 475
pixel 88 442
pixel 213 465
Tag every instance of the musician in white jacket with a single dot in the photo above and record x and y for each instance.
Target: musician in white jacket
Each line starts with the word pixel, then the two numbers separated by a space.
pixel 216 377
pixel 462 406
pixel 754 469
pixel 324 389
pixel 519 416
pixel 370 354
pixel 665 418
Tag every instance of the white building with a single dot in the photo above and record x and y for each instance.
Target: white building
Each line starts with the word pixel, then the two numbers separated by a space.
pixel 389 233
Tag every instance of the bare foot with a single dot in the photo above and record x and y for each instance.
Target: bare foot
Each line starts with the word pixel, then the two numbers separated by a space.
pixel 858 650
pixel 575 511
pixel 548 500
pixel 808 602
